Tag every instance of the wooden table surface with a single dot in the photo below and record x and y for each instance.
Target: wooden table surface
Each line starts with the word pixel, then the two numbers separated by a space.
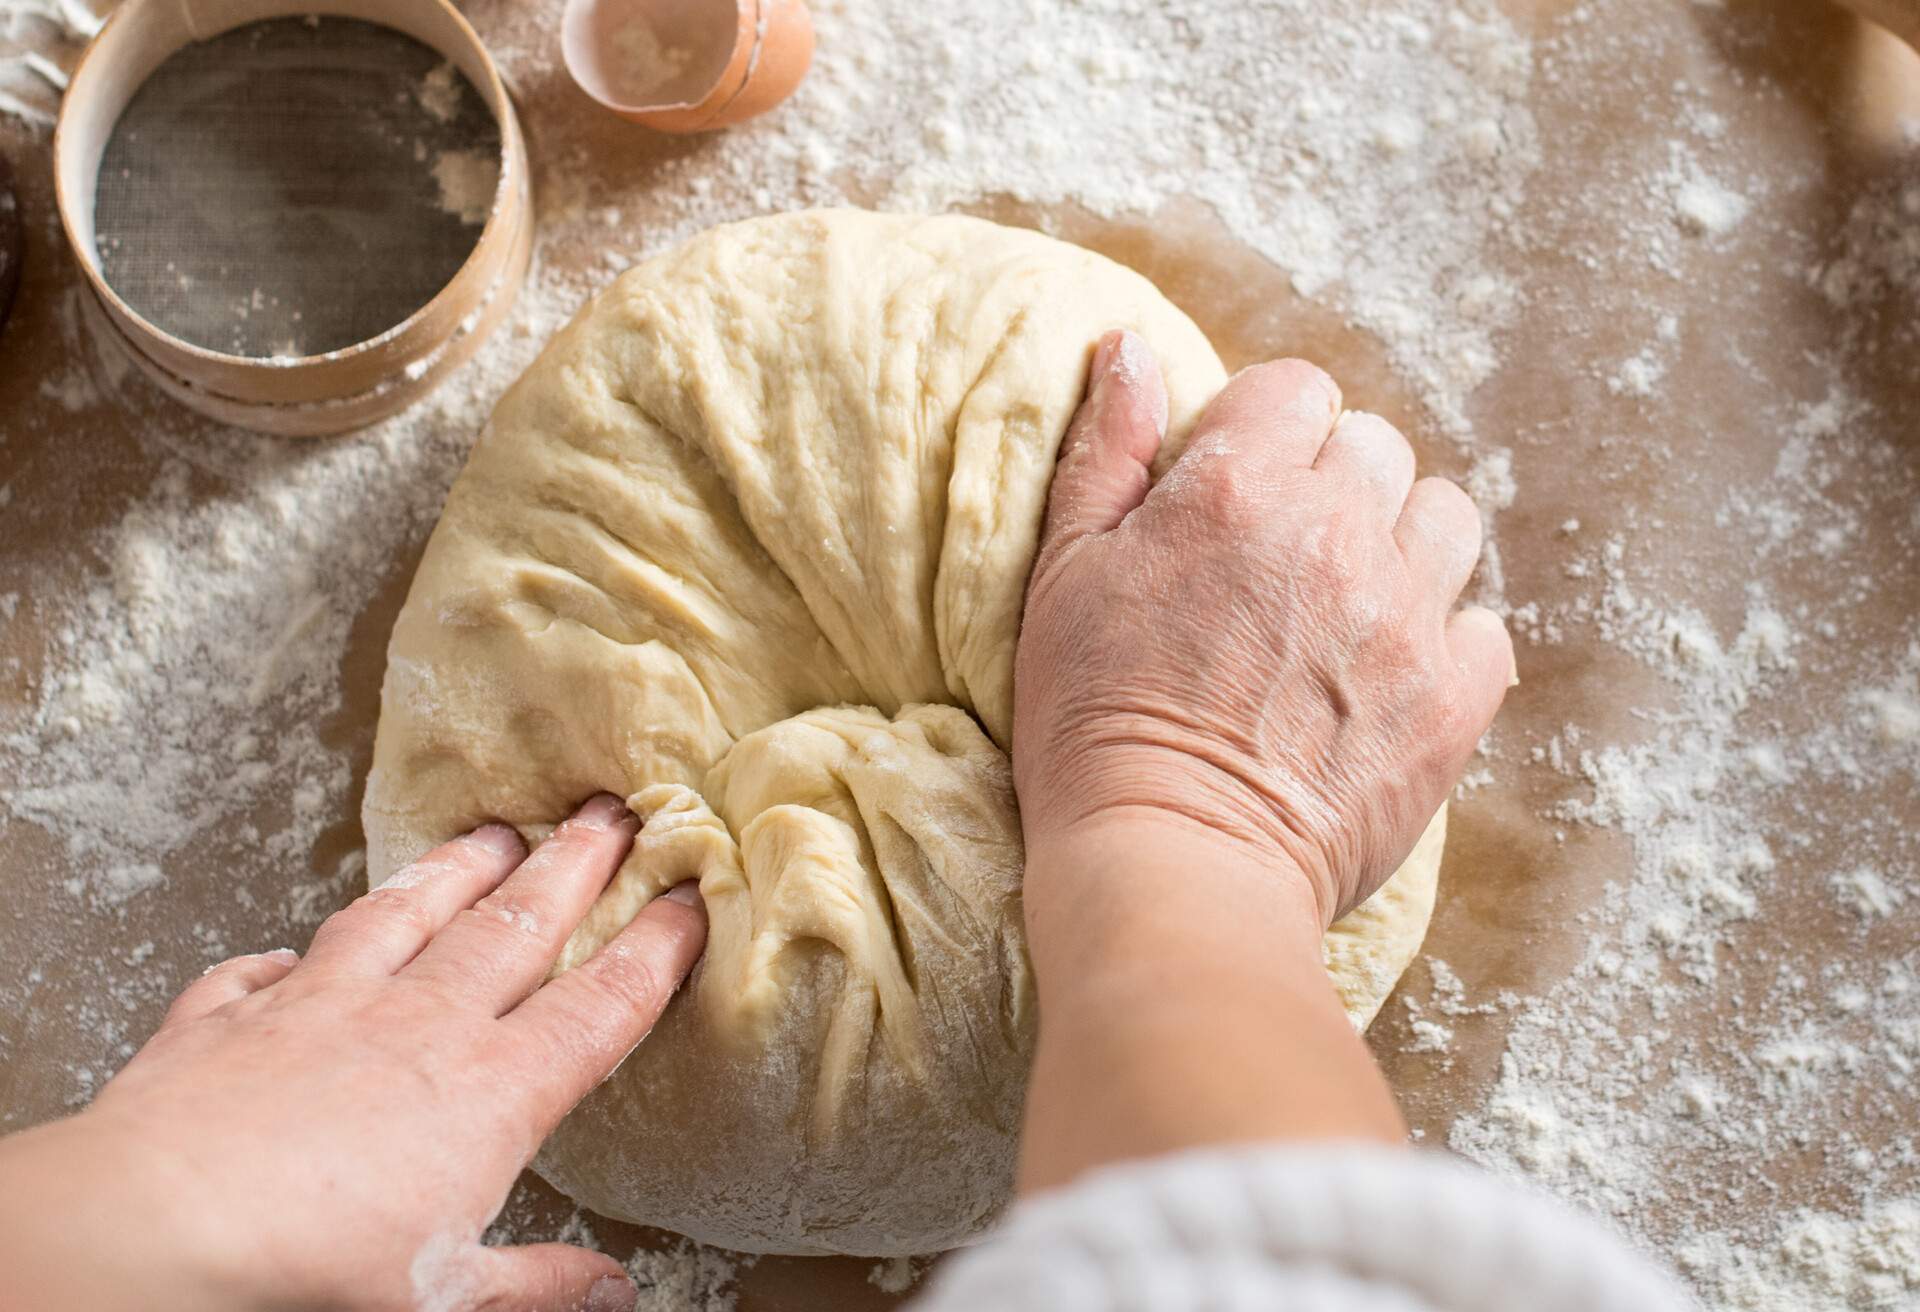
pixel 1516 880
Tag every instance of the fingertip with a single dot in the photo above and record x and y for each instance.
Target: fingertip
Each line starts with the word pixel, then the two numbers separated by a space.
pixel 1441 528
pixel 1103 353
pixel 687 894
pixel 500 838
pixel 556 1277
pixel 680 913
pixel 1131 365
pixel 1106 455
pixel 613 1293
pixel 1480 642
pixel 603 811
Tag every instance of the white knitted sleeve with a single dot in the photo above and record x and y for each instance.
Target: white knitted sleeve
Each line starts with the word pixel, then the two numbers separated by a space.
pixel 1278 1229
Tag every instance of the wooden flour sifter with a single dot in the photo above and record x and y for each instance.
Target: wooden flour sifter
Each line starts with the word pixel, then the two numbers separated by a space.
pixel 296 218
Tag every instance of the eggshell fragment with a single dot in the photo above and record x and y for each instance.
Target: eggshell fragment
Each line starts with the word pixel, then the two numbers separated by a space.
pixel 687 65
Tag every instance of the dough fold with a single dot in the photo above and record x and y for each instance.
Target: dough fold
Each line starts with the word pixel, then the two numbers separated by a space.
pixel 747 545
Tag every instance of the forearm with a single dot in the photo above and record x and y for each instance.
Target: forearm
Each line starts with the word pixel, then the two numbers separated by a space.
pixel 1185 1005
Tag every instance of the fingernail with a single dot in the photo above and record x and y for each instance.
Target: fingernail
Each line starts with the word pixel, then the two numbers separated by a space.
pixel 687 894
pixel 1329 389
pixel 286 956
pixel 501 838
pixel 603 811
pixel 1133 361
pixel 612 1294
pixel 1102 359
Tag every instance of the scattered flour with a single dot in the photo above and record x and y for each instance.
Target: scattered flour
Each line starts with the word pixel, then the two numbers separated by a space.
pixel 1696 1067
pixel 686 1277
pixel 1707 208
pixel 30 81
pixel 1391 208
pixel 896 1275
pixel 439 92
pixel 469 180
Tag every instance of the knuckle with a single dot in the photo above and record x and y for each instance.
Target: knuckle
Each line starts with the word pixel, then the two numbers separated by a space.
pixel 1287 376
pixel 1230 494
pixel 506 913
pixel 1401 650
pixel 483 930
pixel 626 982
pixel 394 909
pixel 583 1035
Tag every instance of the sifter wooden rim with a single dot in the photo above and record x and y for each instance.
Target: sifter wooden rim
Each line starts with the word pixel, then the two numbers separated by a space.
pixel 312 395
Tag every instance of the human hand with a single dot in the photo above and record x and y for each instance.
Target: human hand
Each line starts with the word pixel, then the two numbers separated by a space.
pixel 1261 646
pixel 337 1132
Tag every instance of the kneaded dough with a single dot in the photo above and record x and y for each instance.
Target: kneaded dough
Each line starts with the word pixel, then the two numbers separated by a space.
pixel 747 546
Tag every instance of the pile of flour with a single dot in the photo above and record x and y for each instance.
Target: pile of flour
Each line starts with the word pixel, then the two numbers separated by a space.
pixel 1730 1099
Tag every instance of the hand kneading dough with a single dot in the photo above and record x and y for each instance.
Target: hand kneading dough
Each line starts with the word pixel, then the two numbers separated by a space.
pixel 747 546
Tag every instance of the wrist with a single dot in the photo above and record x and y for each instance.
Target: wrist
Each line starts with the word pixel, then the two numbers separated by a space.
pixel 1122 904
pixel 1183 1001
pixel 1159 859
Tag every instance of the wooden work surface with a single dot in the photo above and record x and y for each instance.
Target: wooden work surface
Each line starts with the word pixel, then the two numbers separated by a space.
pixel 1516 882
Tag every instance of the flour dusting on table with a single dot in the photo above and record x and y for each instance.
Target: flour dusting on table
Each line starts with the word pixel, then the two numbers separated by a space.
pixel 1736 1102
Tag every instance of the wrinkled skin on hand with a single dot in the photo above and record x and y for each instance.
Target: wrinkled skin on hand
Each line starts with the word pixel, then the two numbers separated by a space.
pixel 1263 643
pixel 337 1131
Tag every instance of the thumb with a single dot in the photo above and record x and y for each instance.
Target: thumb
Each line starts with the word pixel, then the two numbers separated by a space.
pixel 557 1278
pixel 1107 456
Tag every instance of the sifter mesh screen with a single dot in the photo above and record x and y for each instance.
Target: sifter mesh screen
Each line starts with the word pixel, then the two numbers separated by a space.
pixel 294 186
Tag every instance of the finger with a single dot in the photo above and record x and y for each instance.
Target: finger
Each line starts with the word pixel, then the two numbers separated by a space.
pixel 1106 458
pixel 552 1278
pixel 1483 650
pixel 229 981
pixel 1439 530
pixel 384 930
pixel 1268 415
pixel 1368 454
pixel 497 951
pixel 586 1022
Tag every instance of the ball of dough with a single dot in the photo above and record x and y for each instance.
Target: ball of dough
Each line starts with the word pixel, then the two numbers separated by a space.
pixel 747 545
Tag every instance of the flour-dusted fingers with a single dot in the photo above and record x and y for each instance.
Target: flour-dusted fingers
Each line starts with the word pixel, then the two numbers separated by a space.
pixel 1106 458
pixel 1369 456
pixel 1267 419
pixel 385 929
pixel 1439 532
pixel 547 1278
pixel 229 981
pixel 497 951
pixel 584 1023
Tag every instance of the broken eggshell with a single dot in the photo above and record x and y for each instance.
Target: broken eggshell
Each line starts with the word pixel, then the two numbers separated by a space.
pixel 687 65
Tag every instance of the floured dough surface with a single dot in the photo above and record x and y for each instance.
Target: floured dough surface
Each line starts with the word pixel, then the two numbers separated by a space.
pixel 747 545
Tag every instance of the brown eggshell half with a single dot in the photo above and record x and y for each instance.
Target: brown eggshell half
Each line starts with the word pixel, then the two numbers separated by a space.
pixel 687 65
